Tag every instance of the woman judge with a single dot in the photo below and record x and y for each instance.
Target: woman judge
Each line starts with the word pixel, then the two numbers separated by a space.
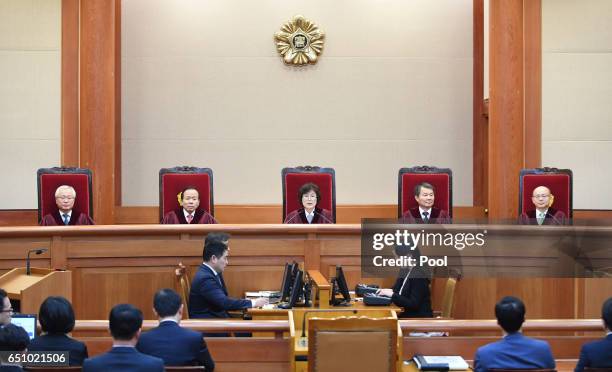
pixel 309 196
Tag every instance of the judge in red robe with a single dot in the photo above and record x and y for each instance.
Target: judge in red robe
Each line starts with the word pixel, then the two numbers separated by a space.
pixel 543 214
pixel 309 196
pixel 65 197
pixel 424 194
pixel 190 212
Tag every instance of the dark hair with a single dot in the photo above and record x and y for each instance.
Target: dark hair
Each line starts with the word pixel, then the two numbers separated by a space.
pixel 3 294
pixel 606 313
pixel 406 250
pixel 214 249
pixel 189 188
pixel 124 321
pixel 426 185
pixel 56 315
pixel 166 302
pixel 216 237
pixel 510 313
pixel 13 338
pixel 306 188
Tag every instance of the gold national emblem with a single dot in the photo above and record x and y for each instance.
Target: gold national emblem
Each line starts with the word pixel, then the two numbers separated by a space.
pixel 299 41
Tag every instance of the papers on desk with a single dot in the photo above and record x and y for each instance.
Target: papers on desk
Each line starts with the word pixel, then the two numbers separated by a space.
pixel 266 294
pixel 437 363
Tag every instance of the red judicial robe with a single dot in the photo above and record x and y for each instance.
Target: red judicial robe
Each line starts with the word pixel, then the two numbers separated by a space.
pixel 178 217
pixel 320 216
pixel 553 217
pixel 438 216
pixel 77 218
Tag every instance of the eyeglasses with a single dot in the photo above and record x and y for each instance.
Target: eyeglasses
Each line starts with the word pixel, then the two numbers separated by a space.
pixel 10 311
pixel 64 197
pixel 309 196
pixel 541 196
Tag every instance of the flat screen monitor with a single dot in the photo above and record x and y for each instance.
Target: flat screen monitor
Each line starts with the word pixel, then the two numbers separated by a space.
pixel 340 287
pixel 285 289
pixel 27 322
pixel 297 289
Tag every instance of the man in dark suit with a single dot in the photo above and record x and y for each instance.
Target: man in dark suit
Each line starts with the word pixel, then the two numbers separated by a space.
pixel 514 351
pixel 543 214
pixel 7 309
pixel 125 323
pixel 177 346
pixel 424 194
pixel 12 338
pixel 208 297
pixel 598 354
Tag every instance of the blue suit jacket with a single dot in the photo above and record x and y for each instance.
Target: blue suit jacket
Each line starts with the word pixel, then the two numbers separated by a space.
pixel 125 359
pixel 596 354
pixel 514 351
pixel 177 346
pixel 61 342
pixel 208 297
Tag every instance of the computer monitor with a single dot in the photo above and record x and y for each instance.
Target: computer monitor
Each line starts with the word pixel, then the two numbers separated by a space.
pixel 297 289
pixel 339 285
pixel 27 322
pixel 285 288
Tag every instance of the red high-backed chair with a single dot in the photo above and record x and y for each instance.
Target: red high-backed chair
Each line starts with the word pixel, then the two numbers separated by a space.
pixel 559 181
pixel 173 180
pixel 440 178
pixel 49 179
pixel 294 178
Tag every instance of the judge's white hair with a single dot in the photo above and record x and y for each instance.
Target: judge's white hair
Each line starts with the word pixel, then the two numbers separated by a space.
pixel 65 187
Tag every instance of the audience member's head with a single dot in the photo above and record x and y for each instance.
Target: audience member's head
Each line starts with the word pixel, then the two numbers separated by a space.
pixel 13 338
pixel 190 199
pixel 125 322
pixel 217 237
pixel 606 314
pixel 7 309
pixel 168 303
pixel 215 255
pixel 56 315
pixel 424 194
pixel 64 198
pixel 510 314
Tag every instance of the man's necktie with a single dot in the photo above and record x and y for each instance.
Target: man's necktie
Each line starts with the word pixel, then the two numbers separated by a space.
pixel 66 218
pixel 309 217
pixel 189 218
pixel 541 218
pixel 426 217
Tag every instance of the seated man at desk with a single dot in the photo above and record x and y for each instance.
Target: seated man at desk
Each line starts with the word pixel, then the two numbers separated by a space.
pixel 189 211
pixel 543 214
pixel 411 290
pixel 7 309
pixel 208 297
pixel 514 351
pixel 64 198
pixel 424 194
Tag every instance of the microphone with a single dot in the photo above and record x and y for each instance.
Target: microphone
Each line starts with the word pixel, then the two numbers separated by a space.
pixel 36 251
pixel 303 341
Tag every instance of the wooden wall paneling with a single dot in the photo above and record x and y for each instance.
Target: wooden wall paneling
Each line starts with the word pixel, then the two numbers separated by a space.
pixel 117 129
pixel 533 82
pixel 98 138
pixel 506 109
pixel 70 83
pixel 24 217
pixel 480 122
pixel 596 291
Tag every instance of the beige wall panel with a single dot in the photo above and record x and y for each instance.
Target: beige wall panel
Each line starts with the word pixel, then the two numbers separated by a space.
pixel 576 94
pixel 30 37
pixel 202 85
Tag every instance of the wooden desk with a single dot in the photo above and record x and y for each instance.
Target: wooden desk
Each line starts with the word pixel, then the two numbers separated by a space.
pixel 129 263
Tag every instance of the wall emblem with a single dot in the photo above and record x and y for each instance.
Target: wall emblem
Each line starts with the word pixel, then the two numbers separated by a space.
pixel 299 41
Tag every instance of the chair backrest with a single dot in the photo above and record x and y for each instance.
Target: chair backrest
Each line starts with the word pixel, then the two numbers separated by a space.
pixel 352 344
pixel 449 297
pixel 49 179
pixel 559 181
pixel 440 178
pixel 183 368
pixel 184 286
pixel 294 178
pixel 174 180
